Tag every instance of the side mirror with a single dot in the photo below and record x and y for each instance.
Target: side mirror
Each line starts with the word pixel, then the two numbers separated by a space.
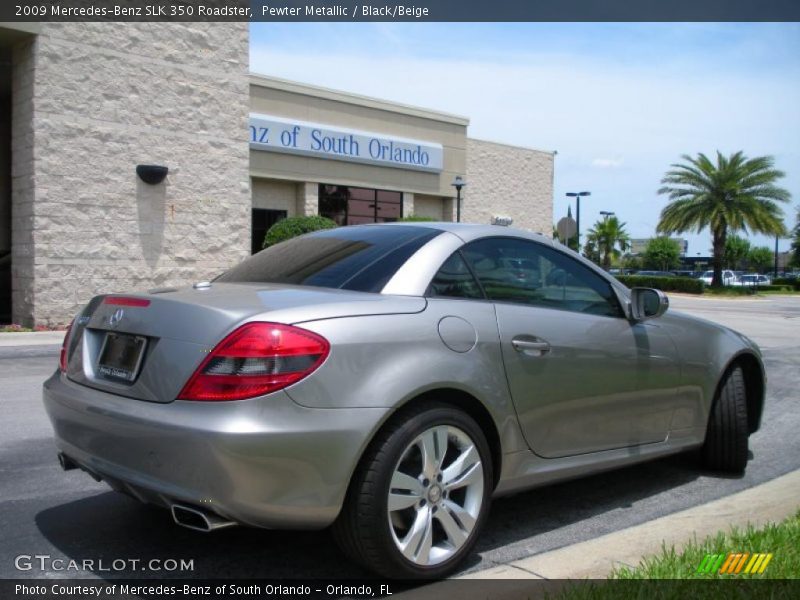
pixel 647 303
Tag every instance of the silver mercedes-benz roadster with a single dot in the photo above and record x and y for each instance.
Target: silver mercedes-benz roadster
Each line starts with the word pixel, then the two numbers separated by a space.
pixel 389 380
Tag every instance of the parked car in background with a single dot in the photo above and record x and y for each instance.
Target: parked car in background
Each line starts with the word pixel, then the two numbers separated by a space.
pixel 752 280
pixel 390 380
pixel 728 277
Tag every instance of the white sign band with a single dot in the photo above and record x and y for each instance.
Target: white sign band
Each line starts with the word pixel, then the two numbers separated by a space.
pixel 276 134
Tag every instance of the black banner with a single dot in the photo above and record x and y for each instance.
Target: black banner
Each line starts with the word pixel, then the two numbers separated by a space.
pixel 463 589
pixel 411 11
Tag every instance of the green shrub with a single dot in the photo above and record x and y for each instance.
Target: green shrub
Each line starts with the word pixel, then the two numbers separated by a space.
pixel 417 218
pixel 775 288
pixel 793 283
pixel 665 284
pixel 286 229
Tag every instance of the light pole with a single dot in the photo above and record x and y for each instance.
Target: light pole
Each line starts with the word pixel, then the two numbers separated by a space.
pixel 607 214
pixel 577 196
pixel 775 274
pixel 458 183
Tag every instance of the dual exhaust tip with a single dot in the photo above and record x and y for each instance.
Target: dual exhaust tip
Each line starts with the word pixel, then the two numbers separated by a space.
pixel 185 516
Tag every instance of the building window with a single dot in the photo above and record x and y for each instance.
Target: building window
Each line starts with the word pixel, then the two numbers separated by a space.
pixel 263 219
pixel 355 206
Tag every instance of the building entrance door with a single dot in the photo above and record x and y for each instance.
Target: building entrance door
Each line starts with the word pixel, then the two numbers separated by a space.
pixel 263 219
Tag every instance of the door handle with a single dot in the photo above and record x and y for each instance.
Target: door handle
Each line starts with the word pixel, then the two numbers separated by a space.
pixel 531 346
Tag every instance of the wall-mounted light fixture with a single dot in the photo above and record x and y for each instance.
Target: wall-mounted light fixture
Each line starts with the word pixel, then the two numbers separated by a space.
pixel 152 174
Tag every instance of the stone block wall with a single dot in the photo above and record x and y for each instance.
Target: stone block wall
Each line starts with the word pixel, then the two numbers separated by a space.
pixel 90 102
pixel 508 181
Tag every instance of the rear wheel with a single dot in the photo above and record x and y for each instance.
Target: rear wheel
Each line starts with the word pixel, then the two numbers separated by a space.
pixel 726 447
pixel 419 499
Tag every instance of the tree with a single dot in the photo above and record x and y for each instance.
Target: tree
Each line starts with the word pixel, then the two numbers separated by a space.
pixel 610 239
pixel 571 243
pixel 736 251
pixel 662 254
pixel 735 194
pixel 760 259
pixel 591 251
pixel 795 252
pixel 629 261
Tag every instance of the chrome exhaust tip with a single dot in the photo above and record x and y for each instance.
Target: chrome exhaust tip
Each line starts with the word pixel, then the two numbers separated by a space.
pixel 198 520
pixel 67 464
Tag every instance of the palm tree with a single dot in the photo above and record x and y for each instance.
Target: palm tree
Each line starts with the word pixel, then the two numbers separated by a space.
pixel 610 239
pixel 735 194
pixel 795 252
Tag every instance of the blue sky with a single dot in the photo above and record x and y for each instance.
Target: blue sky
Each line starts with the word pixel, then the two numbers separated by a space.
pixel 619 102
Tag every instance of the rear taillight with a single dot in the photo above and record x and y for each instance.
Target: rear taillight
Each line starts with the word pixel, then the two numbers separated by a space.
pixel 62 360
pixel 256 359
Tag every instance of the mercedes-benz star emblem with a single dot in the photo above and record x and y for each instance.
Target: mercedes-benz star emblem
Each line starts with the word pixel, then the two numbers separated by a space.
pixel 114 319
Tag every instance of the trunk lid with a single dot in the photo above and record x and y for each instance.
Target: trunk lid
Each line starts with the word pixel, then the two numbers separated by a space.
pixel 172 334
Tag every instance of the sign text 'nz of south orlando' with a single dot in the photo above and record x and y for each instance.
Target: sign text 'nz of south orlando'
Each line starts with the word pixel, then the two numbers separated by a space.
pixel 276 134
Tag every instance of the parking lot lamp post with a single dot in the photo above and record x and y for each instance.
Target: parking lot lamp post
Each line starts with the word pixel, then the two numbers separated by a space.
pixel 577 196
pixel 607 214
pixel 458 183
pixel 776 257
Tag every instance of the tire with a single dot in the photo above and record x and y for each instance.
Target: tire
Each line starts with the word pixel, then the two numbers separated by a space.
pixel 411 518
pixel 725 448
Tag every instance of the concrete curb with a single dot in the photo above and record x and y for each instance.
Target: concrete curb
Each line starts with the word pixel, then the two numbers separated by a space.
pixel 31 338
pixel 31 351
pixel 594 559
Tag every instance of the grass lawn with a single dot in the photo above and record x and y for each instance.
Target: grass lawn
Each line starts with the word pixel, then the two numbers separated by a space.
pixel 781 539
pixel 672 574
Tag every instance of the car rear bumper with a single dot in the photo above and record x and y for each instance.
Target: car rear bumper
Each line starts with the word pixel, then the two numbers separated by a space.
pixel 265 462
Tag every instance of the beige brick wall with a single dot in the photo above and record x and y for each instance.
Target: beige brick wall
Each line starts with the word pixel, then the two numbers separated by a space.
pixel 277 195
pixel 508 181
pixel 93 100
pixel 429 206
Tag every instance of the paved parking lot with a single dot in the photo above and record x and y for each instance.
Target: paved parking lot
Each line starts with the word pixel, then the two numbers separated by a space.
pixel 69 516
pixel 773 321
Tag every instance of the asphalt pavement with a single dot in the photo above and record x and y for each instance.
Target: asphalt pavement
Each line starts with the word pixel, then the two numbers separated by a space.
pixel 45 511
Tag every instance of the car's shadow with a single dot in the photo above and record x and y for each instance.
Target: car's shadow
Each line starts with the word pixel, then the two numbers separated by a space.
pixel 111 527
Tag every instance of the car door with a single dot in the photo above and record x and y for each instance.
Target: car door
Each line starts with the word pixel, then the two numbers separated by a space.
pixel 582 376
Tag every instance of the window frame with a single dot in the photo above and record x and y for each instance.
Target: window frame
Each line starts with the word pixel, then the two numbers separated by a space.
pixel 483 298
pixel 614 292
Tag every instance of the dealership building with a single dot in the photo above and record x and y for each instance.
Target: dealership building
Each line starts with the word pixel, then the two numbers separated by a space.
pixel 86 110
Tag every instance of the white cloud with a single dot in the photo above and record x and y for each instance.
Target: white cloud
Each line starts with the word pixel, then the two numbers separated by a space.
pixel 608 163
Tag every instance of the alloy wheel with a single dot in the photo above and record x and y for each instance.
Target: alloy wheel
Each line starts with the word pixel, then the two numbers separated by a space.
pixel 435 495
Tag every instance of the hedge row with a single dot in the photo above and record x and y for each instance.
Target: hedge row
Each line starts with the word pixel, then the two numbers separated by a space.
pixel 776 288
pixel 793 283
pixel 665 284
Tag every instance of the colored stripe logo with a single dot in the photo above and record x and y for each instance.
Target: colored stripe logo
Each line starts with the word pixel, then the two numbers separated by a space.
pixel 735 563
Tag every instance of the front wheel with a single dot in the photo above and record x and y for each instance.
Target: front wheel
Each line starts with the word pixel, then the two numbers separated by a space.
pixel 726 445
pixel 420 496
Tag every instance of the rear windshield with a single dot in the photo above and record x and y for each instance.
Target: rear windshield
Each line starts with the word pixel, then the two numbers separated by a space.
pixel 360 258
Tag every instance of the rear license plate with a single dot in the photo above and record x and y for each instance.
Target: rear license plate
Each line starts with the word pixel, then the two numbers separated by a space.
pixel 121 356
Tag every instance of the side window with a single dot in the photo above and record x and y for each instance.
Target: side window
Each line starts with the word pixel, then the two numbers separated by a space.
pixel 453 280
pixel 514 270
